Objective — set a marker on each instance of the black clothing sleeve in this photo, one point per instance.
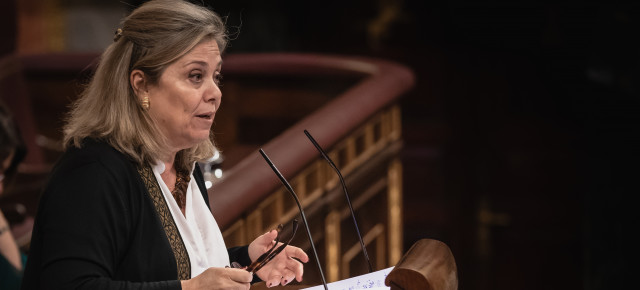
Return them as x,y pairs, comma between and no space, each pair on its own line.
96,228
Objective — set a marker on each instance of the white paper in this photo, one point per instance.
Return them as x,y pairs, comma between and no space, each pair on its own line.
373,281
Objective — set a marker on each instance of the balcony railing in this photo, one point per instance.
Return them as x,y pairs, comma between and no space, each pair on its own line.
361,127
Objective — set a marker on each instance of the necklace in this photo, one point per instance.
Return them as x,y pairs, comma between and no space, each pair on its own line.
179,191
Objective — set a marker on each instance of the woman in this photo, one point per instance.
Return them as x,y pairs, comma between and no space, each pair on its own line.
12,151
126,206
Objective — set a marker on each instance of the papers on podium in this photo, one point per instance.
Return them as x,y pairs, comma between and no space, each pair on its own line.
373,281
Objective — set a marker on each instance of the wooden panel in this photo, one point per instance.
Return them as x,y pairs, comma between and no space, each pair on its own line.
368,160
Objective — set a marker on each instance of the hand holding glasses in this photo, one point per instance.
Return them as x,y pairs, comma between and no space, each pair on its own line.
272,252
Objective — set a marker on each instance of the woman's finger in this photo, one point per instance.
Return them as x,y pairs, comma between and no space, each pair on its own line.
296,268
275,277
287,277
239,275
261,244
267,238
297,253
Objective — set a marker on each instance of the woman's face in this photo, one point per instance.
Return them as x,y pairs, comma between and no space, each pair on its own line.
184,101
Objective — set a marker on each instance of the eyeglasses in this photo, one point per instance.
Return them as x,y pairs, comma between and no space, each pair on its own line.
273,251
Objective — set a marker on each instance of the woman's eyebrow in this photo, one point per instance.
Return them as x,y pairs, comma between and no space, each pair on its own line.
203,63
200,62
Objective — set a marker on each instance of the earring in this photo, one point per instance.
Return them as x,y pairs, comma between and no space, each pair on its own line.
145,103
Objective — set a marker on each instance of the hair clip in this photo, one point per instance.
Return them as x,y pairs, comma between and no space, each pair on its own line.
118,34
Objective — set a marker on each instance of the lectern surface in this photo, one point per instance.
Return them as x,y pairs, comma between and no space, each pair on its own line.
374,280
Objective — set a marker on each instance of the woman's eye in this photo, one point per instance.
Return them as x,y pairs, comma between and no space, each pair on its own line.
217,78
196,77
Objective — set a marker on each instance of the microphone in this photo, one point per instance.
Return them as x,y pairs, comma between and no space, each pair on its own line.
344,188
304,218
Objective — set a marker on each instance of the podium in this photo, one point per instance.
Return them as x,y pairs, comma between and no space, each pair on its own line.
428,265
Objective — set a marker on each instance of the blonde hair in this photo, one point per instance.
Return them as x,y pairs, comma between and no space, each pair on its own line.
152,37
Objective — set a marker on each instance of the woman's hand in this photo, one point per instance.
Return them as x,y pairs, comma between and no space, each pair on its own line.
219,278
283,268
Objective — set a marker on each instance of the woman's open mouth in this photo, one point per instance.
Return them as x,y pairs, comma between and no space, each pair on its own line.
207,116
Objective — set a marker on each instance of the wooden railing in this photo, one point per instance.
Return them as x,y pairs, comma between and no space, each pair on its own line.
361,127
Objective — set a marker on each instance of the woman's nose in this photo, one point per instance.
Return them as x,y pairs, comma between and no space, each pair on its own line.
213,92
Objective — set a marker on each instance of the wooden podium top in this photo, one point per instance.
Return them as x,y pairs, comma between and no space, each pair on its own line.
428,265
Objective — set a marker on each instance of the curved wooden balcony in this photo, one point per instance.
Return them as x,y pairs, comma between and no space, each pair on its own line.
251,180
360,127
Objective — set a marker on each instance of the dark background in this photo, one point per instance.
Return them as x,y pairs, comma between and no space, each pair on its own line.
520,132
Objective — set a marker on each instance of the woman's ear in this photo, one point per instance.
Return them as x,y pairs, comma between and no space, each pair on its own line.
139,83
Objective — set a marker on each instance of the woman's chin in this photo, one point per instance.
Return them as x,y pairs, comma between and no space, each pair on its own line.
199,139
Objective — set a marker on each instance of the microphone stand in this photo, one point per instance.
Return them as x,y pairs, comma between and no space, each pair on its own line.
304,218
344,187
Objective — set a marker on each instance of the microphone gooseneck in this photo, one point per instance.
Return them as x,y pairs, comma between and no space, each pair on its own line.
304,218
344,187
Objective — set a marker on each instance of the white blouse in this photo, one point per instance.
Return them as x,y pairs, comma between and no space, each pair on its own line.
198,228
